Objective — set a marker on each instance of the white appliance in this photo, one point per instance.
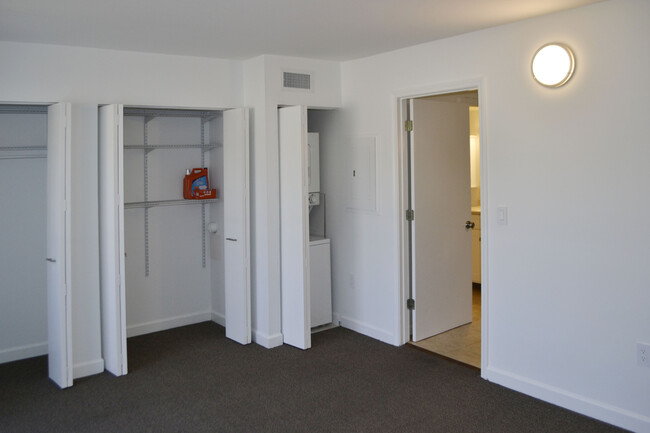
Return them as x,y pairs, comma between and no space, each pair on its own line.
313,169
320,282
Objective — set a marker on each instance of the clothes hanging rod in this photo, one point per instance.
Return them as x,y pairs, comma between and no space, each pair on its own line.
172,146
23,109
22,148
40,156
162,112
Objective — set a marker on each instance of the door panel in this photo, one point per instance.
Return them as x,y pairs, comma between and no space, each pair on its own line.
236,225
59,326
441,245
294,227
111,226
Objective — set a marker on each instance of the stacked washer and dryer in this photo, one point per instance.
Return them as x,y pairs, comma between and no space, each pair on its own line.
319,245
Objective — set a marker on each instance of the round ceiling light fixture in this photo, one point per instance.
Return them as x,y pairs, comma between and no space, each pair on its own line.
553,65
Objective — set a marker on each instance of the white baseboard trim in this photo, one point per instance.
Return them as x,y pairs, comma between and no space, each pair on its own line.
87,368
592,408
325,327
168,323
365,329
267,341
23,352
219,318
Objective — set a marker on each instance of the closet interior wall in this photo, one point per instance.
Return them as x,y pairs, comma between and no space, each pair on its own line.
185,282
23,290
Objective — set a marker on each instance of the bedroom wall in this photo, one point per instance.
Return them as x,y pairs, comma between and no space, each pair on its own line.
566,281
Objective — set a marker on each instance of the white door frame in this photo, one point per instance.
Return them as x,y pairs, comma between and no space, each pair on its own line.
400,100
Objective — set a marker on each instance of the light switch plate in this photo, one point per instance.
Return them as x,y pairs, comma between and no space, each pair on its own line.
502,215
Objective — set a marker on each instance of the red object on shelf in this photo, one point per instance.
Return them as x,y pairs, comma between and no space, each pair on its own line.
196,185
205,194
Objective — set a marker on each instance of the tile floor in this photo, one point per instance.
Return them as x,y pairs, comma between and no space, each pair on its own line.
462,344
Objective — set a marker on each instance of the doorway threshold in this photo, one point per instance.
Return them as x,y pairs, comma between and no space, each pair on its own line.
472,365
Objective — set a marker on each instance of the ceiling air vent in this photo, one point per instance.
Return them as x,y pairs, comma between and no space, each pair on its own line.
294,80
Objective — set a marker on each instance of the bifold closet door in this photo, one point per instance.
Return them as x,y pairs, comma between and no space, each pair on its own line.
236,225
111,238
294,226
59,303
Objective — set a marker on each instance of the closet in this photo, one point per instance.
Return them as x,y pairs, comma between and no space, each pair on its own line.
35,236
167,261
23,169
305,245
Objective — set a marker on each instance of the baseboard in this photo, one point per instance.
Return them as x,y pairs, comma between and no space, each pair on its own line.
365,329
88,368
219,319
22,352
264,340
168,323
267,341
592,408
325,327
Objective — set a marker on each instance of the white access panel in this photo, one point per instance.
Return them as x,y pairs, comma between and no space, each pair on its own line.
111,233
59,303
236,225
313,170
294,226
320,277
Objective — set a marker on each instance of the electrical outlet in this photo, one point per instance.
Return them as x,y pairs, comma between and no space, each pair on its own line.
643,354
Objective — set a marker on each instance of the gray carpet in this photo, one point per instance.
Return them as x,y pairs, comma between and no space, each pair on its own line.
193,379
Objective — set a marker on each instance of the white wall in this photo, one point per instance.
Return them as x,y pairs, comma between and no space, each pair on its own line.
263,92
178,289
567,278
51,73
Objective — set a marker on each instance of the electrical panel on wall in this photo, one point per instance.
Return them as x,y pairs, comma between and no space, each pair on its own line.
362,175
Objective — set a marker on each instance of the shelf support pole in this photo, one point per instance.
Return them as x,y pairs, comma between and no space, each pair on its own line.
203,122
147,119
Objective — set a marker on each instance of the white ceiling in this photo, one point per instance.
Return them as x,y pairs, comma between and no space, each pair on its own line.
240,29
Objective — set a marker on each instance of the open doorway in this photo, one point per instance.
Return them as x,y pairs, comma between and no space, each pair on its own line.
443,172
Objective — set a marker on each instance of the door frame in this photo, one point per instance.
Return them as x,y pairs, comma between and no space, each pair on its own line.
400,99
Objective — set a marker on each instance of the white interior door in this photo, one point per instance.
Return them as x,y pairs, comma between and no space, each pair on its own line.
59,327
294,226
236,225
111,235
441,244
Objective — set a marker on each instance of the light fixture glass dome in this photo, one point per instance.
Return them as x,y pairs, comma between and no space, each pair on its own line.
553,65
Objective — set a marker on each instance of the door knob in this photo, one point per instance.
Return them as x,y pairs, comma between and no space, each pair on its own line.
231,239
469,224
50,260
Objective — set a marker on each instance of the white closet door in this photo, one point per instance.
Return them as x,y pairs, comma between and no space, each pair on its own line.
59,323
294,226
111,237
236,225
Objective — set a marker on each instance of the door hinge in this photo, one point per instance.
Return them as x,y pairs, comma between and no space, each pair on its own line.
408,125
410,304
410,215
